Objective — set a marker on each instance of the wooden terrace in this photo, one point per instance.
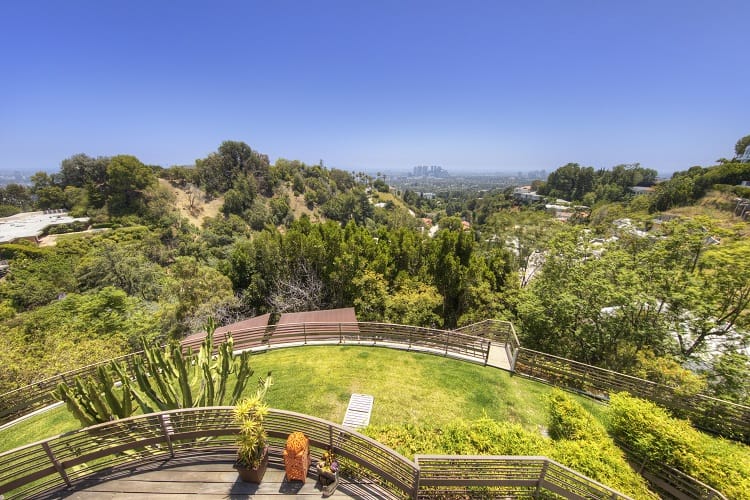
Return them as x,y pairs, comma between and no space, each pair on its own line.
206,477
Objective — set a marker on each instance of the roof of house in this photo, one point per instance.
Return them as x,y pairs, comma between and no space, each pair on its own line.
196,339
344,315
245,324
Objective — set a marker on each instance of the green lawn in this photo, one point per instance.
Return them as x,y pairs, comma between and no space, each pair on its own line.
407,387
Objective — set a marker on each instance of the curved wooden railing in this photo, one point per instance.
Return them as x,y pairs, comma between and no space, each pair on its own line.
455,476
61,462
413,338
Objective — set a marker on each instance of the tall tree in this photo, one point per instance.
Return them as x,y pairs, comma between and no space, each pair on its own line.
233,158
127,178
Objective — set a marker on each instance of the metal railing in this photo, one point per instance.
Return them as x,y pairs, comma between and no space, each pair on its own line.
496,331
57,464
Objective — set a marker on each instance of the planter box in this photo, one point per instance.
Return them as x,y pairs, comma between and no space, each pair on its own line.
255,475
326,477
329,481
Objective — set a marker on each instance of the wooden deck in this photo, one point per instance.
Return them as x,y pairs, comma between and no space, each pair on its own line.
206,477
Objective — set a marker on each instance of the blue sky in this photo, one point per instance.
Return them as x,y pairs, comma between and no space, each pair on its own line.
376,85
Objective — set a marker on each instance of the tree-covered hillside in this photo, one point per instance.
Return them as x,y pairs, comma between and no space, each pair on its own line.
621,287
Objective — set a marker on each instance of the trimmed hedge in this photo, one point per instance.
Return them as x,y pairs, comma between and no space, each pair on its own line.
654,435
597,457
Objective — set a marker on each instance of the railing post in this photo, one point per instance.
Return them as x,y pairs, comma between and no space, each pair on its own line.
304,332
514,359
541,478
341,336
417,477
58,466
487,354
168,430
446,344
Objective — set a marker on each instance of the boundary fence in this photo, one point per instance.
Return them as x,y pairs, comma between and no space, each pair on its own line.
59,463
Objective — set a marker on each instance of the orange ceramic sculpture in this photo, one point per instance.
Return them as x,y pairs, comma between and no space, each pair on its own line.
297,457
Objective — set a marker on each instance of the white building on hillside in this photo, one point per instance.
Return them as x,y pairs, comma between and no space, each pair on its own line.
31,225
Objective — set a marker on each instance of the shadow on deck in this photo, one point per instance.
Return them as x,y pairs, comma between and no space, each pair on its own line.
205,477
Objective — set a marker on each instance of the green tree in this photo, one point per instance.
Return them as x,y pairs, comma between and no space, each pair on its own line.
600,311
122,266
192,293
127,179
414,303
34,282
16,195
232,160
729,375
371,297
712,298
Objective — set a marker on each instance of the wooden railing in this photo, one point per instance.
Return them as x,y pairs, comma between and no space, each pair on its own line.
444,476
496,331
413,338
28,398
669,481
718,416
58,463
714,415
471,343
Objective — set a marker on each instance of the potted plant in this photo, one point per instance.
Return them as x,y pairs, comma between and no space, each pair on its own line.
328,472
252,443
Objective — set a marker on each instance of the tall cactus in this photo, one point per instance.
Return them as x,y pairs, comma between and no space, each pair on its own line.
94,401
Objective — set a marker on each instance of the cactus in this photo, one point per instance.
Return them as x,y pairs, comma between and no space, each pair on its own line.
161,379
93,401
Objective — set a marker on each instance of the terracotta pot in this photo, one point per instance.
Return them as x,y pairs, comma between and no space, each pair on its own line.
253,475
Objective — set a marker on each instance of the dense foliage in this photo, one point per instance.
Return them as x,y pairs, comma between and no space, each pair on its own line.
584,184
658,438
578,441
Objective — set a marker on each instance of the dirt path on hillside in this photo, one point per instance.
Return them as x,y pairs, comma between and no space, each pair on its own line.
200,211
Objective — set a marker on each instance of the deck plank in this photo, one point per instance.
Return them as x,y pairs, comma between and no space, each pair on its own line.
208,477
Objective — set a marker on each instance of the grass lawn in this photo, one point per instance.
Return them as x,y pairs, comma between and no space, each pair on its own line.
407,387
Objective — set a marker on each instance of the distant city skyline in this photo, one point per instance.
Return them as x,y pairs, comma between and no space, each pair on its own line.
476,86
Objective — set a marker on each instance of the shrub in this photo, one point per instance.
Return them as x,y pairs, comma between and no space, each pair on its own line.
597,456
582,443
22,249
484,436
655,436
569,420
